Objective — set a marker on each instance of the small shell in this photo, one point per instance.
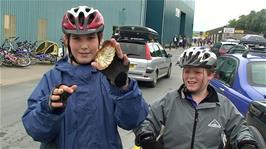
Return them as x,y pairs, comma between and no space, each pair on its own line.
105,56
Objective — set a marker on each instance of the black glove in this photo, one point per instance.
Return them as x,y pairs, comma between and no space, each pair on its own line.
116,72
63,98
148,141
248,146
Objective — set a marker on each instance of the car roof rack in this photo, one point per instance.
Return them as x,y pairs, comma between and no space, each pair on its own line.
258,50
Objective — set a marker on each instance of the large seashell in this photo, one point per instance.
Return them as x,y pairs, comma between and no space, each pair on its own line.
105,55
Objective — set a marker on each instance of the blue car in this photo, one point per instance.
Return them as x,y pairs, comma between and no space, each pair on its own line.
241,78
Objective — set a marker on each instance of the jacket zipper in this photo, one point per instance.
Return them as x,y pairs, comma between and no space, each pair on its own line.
194,128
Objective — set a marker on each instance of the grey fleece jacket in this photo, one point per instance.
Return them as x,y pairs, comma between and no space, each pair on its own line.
210,121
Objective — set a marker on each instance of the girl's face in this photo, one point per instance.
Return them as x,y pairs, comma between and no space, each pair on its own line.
196,80
84,47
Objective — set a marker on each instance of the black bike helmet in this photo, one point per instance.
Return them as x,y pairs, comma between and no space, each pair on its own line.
198,57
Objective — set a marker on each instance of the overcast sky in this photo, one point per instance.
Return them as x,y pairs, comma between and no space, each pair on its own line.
210,14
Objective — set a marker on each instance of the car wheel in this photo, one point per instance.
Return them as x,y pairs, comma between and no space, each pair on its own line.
169,71
258,137
154,82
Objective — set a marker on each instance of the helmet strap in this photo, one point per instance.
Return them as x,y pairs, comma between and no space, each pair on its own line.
72,58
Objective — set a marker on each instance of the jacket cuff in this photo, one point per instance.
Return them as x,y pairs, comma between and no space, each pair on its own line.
242,143
118,91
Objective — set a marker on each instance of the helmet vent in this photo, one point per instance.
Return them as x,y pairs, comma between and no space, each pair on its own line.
81,18
87,9
197,54
76,10
71,18
206,55
91,17
190,54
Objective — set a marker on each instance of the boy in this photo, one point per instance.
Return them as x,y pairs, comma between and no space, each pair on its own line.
195,116
75,105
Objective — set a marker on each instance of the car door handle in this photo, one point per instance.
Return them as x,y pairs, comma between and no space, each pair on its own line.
221,89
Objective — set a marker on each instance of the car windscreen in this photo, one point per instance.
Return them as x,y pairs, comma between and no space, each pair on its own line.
133,50
257,73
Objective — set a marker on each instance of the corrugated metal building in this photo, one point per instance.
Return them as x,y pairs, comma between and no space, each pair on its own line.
41,19
171,17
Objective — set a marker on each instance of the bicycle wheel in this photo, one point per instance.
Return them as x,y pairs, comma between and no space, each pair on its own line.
23,60
1,59
53,59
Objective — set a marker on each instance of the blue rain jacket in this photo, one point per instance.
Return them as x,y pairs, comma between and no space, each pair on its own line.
92,114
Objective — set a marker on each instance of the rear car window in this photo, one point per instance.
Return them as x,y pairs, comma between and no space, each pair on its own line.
134,50
217,45
227,46
257,73
237,49
156,50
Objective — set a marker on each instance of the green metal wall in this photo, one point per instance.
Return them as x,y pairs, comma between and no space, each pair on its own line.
154,15
157,14
28,12
161,15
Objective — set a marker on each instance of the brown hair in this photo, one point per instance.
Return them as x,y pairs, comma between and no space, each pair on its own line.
210,70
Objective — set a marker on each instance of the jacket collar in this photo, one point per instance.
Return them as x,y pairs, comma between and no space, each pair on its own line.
212,97
74,70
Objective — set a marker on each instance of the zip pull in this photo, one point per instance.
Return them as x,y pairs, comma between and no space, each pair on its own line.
161,133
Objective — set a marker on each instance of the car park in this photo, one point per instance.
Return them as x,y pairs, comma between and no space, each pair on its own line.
241,78
149,61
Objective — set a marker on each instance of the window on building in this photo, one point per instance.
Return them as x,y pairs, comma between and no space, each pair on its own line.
9,26
42,30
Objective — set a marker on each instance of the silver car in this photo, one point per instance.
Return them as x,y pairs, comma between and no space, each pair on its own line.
148,60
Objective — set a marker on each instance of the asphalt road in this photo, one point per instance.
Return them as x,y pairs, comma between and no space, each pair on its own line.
18,83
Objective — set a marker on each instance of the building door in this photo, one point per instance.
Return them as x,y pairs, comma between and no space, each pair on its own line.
182,23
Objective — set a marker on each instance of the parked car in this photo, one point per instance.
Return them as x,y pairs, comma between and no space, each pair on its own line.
241,48
220,48
241,78
231,40
253,39
149,61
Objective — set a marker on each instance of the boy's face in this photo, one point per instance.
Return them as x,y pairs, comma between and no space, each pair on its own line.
196,79
84,47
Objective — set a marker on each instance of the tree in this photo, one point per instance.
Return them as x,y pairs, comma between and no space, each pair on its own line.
254,21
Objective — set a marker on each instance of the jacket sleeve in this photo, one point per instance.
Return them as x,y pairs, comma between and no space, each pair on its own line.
130,107
39,121
154,121
236,127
